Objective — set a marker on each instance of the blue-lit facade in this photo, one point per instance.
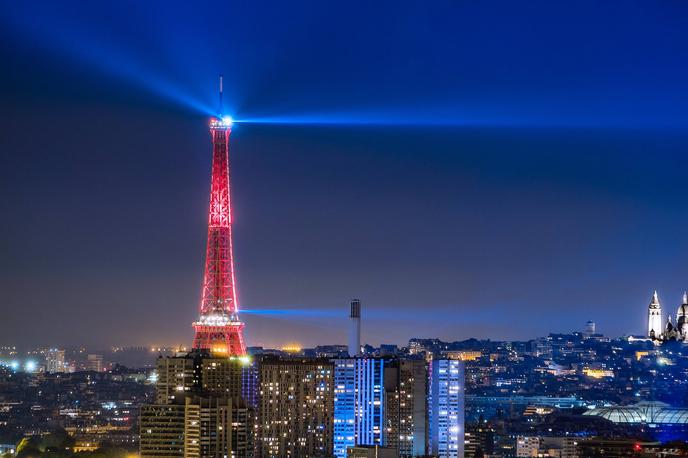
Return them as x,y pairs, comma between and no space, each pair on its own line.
359,403
446,408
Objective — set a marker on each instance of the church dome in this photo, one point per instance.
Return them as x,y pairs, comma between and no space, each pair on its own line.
683,308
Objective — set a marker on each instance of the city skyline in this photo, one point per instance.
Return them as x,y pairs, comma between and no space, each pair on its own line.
449,202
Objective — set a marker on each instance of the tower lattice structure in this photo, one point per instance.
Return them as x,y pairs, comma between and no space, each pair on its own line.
219,328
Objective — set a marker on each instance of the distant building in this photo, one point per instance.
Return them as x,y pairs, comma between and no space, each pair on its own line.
296,408
388,350
55,361
332,351
670,331
535,446
650,412
446,409
371,451
589,330
463,355
654,318
613,448
527,446
94,363
478,441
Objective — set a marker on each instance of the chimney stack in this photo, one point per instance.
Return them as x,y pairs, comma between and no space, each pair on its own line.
355,328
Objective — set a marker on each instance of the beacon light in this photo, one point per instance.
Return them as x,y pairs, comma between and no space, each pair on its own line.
227,120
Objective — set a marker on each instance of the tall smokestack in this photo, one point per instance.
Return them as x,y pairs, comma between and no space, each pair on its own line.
355,328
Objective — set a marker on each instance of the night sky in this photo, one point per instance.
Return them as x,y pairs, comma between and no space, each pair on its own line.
467,169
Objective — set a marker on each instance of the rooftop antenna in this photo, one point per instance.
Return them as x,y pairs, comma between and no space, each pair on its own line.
220,96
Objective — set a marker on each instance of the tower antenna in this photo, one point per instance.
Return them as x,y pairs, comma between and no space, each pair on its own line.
221,96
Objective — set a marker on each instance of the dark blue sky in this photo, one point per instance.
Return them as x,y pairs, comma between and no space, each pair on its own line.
468,169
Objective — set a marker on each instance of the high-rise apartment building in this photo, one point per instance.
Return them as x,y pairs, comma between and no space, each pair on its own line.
406,424
200,427
359,406
162,431
199,402
94,363
295,408
55,360
446,408
201,371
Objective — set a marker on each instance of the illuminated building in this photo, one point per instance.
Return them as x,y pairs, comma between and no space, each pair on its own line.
94,363
446,408
670,331
355,328
202,372
562,447
650,412
589,330
654,318
162,430
295,408
598,373
55,361
478,441
372,451
201,427
359,404
682,318
463,355
405,383
218,328
292,348
177,376
211,389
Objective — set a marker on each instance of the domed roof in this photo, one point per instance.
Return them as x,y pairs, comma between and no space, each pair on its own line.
642,412
618,414
674,416
683,308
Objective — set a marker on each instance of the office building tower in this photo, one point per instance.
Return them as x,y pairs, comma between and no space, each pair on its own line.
94,363
446,408
405,382
359,407
201,427
55,360
162,431
215,419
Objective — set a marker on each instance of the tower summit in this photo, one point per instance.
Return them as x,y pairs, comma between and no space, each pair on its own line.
218,328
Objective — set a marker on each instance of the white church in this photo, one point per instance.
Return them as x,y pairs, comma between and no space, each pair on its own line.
659,332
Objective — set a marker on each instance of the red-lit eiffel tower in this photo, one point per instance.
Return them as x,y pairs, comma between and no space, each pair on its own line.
218,328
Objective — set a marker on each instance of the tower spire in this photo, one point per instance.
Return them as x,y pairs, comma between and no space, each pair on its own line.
221,111
685,298
654,318
219,328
